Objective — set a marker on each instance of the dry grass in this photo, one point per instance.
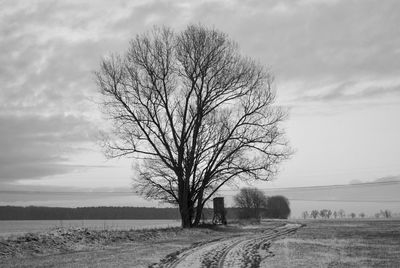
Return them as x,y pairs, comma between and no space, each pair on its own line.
334,243
325,243
135,248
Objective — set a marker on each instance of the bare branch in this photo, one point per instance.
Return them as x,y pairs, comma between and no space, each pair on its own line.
195,111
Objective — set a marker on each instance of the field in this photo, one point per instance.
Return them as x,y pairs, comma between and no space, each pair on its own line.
311,243
8,228
340,243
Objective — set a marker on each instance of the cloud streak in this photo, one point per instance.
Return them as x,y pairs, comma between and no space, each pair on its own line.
33,146
353,91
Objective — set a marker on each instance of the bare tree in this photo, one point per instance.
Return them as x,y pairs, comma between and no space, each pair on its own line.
314,214
341,213
335,214
329,213
305,214
194,112
323,213
386,213
251,201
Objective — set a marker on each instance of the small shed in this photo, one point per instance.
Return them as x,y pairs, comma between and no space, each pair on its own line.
219,211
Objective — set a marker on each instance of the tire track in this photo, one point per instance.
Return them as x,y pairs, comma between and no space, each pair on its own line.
254,249
246,250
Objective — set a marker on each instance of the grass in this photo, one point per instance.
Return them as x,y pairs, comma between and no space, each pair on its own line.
322,243
340,243
134,248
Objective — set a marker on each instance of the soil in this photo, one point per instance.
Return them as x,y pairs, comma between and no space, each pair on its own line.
274,243
246,249
218,246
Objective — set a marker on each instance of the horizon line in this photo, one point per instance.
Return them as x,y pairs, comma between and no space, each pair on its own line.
222,190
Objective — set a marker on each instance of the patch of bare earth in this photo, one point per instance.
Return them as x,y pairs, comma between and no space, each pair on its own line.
245,249
89,248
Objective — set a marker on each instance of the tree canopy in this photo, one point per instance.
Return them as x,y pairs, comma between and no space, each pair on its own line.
278,207
251,201
194,113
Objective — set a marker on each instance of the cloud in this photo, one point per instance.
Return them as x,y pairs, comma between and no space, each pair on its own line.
355,91
316,44
388,179
36,146
54,46
323,52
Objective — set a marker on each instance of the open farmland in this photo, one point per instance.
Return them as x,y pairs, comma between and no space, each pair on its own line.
340,243
318,243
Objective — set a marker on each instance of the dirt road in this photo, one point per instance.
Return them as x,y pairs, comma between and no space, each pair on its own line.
246,249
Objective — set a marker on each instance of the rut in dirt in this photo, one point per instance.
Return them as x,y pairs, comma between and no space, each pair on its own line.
245,250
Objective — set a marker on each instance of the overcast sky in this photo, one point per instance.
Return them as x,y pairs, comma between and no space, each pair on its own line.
336,65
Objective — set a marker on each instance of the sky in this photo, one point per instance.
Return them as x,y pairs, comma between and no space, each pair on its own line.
336,65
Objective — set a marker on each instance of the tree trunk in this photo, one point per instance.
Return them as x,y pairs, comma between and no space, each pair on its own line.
199,209
186,219
185,209
197,219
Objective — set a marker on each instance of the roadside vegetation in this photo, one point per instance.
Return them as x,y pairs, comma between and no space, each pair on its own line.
254,204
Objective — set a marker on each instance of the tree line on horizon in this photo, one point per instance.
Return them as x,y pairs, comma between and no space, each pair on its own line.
328,214
249,203
102,213
92,213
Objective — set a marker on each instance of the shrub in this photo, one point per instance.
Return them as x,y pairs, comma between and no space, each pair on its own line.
277,207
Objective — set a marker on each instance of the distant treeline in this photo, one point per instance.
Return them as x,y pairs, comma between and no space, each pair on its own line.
327,214
92,213
96,213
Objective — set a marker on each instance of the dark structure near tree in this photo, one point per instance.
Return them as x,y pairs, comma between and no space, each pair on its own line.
194,113
219,211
